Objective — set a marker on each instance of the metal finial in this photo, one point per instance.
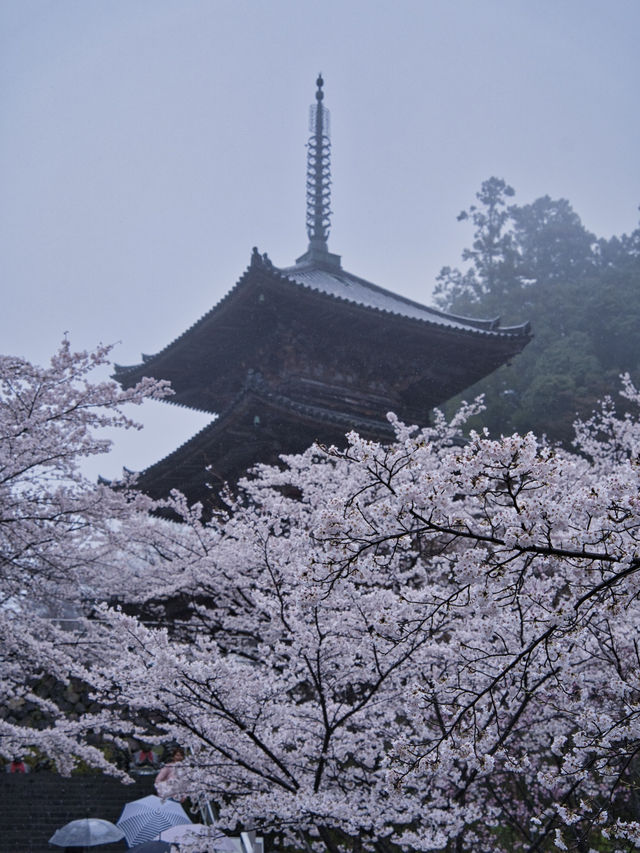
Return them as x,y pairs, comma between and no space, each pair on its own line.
318,173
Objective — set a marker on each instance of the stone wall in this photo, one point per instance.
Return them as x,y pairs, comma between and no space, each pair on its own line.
34,805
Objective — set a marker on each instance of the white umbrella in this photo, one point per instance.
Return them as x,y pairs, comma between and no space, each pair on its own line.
86,832
189,833
143,819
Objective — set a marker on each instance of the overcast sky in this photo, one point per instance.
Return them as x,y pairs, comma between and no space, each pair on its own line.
147,145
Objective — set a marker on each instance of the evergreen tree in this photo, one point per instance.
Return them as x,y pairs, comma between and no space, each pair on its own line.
581,294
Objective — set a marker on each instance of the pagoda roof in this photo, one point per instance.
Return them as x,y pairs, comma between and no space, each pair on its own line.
225,328
344,286
253,429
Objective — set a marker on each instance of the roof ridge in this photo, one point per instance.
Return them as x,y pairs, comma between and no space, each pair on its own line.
256,260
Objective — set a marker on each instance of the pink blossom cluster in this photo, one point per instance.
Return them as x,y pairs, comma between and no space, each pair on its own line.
59,534
433,644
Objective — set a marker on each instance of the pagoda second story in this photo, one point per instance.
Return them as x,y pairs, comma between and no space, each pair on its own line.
308,352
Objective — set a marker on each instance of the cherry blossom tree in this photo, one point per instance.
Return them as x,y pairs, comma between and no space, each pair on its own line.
432,644
534,687
59,533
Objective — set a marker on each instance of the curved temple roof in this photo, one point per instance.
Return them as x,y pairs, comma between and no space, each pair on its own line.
340,286
225,449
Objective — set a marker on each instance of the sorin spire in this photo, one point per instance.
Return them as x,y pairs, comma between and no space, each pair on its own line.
318,173
319,185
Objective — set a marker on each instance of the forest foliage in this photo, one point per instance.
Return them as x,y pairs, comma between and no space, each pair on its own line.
581,294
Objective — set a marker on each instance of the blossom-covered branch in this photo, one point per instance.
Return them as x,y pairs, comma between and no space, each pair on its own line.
59,534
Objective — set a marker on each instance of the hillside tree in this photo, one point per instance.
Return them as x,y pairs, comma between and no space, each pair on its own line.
537,262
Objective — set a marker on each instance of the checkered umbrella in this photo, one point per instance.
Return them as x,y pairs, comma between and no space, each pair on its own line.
144,819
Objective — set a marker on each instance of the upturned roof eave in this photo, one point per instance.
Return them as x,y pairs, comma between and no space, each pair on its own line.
257,393
484,328
121,370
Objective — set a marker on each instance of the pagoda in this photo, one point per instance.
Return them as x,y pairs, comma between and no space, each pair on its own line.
307,353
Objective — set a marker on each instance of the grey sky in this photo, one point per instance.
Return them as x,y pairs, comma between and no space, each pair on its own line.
147,145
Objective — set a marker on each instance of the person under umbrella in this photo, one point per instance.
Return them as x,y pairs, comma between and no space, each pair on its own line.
168,773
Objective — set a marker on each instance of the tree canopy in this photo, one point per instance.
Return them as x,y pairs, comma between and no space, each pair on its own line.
580,293
427,645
